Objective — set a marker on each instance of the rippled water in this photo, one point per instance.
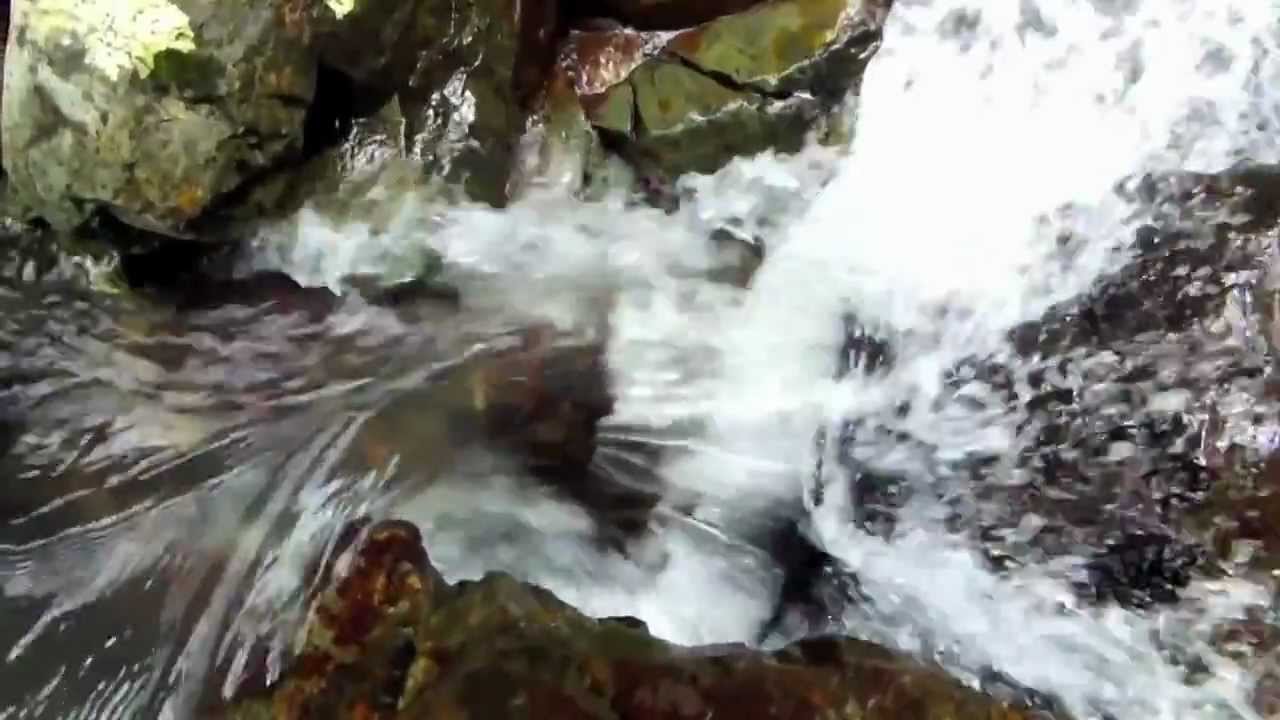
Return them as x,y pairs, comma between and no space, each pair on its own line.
171,479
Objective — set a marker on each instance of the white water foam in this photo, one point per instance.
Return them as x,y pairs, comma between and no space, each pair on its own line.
986,131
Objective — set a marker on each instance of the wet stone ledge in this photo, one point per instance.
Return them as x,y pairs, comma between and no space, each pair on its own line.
388,638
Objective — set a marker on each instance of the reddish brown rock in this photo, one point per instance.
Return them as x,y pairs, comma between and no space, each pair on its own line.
389,639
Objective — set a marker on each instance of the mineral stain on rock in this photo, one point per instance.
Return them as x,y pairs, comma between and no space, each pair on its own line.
148,108
388,638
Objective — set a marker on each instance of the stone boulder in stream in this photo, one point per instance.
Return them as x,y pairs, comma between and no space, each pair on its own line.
388,638
167,112
157,110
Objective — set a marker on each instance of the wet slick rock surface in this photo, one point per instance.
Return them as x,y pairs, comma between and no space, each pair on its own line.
150,108
388,638
760,79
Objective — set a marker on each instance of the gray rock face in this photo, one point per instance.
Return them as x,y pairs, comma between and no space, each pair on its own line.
150,108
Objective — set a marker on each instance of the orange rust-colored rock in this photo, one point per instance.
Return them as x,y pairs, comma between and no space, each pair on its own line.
388,639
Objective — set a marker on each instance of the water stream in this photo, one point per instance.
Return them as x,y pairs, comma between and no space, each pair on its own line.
171,478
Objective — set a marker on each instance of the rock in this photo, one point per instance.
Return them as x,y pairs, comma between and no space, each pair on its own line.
364,38
388,638
468,102
150,108
658,14
338,180
760,79
816,47
539,401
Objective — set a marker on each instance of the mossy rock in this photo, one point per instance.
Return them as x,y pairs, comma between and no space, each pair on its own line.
388,638
150,109
785,46
688,122
766,78
659,14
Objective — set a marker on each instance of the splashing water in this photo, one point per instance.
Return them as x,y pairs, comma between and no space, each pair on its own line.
986,133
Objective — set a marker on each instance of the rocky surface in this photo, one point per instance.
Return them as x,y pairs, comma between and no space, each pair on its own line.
764,78
657,14
149,108
176,109
388,638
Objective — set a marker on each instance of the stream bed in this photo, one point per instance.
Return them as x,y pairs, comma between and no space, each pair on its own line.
1008,363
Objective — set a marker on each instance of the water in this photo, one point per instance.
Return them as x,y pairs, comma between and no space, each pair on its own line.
994,175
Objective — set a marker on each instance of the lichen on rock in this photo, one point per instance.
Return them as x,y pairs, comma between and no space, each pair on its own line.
149,108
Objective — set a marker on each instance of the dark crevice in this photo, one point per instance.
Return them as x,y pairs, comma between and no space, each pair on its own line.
330,116
330,119
727,80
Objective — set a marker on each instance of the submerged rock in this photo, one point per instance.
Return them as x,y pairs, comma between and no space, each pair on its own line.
388,638
150,108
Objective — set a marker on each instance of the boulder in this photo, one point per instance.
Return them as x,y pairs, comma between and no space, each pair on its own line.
150,108
388,638
764,78
365,39
658,14
469,99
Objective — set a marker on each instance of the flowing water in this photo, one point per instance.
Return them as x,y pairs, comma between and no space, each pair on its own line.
169,480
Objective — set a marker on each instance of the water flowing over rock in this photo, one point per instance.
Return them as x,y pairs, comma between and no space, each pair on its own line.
388,638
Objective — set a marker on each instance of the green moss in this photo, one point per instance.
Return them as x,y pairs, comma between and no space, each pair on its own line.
189,74
614,110
761,47
691,123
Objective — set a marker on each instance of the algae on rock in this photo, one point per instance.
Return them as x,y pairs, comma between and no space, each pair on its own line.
149,108
764,78
388,638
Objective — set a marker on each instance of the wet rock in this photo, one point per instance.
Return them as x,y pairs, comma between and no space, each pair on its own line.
538,398
737,85
338,180
816,589
817,47
150,109
657,14
688,122
1134,396
469,98
364,38
273,290
387,638
561,151
1141,569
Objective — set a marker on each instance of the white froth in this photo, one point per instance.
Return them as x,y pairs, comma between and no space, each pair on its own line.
939,229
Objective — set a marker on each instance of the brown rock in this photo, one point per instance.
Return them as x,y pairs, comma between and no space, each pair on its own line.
388,639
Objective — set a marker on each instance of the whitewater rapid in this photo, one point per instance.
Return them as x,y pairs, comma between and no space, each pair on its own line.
985,133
